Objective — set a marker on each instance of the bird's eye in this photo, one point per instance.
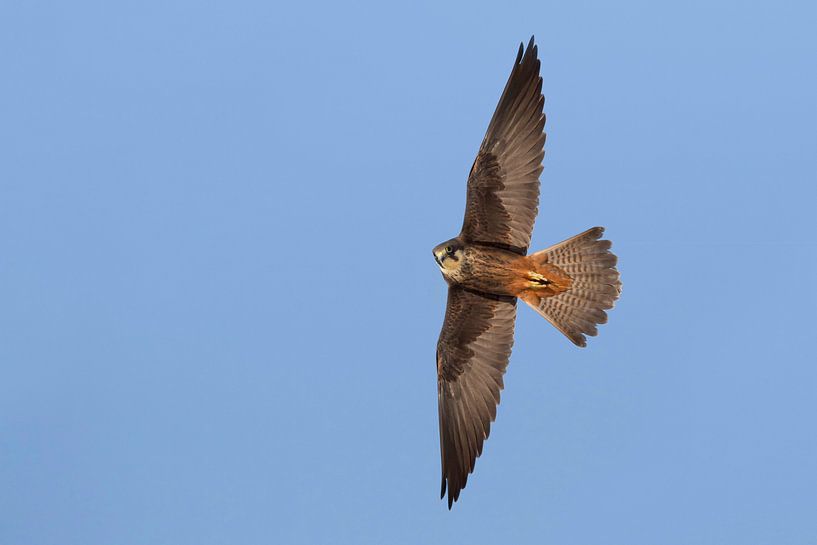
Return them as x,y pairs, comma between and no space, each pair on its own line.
449,250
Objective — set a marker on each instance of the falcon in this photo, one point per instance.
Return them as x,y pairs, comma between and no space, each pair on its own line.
488,267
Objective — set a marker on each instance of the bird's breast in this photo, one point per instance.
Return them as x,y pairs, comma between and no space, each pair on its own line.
490,270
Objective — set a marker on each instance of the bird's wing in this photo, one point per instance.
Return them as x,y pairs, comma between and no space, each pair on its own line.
503,186
472,354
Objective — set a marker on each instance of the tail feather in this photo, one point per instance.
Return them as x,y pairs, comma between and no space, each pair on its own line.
593,288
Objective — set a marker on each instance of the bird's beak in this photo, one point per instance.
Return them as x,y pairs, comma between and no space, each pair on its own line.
439,258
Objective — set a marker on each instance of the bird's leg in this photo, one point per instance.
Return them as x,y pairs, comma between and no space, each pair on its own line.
538,280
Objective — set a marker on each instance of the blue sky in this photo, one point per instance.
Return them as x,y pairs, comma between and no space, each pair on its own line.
219,308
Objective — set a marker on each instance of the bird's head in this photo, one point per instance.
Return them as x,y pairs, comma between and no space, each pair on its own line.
449,254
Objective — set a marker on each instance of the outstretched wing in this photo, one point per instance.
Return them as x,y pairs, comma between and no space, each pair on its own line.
503,186
472,355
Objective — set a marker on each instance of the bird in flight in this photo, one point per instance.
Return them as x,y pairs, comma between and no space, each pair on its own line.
487,267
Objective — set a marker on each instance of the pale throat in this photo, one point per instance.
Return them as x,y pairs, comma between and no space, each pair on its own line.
451,264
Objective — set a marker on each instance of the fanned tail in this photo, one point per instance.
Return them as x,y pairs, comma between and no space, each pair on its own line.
593,286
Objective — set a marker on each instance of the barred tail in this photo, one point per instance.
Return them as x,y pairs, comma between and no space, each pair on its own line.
593,288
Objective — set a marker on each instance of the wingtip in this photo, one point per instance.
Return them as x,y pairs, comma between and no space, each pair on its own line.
532,50
452,496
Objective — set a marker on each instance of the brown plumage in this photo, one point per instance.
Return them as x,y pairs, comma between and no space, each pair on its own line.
486,266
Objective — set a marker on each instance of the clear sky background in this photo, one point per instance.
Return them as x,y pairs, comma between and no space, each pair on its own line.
219,308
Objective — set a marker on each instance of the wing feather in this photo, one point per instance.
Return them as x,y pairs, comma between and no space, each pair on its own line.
472,355
503,186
